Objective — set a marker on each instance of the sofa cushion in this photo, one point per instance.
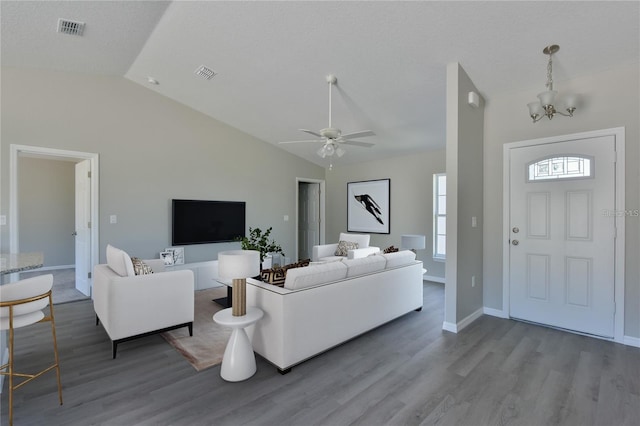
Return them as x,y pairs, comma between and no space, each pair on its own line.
327,259
399,258
344,247
119,261
315,274
365,265
140,267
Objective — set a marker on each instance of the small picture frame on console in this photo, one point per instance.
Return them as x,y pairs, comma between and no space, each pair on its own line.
167,256
178,254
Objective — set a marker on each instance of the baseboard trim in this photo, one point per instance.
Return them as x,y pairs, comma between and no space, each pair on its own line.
433,278
631,341
449,326
495,312
53,268
462,324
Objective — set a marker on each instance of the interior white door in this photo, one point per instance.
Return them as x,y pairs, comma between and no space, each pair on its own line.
83,227
308,218
562,257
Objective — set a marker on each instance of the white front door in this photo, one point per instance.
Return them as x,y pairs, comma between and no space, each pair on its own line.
308,218
562,234
83,227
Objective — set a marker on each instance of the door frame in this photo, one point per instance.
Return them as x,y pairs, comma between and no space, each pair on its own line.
51,153
619,134
322,209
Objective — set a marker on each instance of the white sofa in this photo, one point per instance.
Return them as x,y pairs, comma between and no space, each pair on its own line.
324,305
131,306
326,252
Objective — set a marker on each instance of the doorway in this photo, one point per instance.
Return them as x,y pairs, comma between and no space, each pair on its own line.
309,216
86,206
562,258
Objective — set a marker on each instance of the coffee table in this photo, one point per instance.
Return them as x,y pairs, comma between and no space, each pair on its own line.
225,301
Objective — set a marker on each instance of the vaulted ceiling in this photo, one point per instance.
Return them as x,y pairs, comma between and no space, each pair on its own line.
271,58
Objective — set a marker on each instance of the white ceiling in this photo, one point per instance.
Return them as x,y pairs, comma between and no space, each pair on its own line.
390,57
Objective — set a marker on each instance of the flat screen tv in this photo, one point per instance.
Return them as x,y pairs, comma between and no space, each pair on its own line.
203,222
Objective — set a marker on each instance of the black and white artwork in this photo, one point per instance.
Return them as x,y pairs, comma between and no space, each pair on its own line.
368,206
177,253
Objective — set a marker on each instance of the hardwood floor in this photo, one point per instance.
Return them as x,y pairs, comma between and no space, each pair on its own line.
407,372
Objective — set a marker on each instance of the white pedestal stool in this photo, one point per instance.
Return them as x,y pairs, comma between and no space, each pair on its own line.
239,361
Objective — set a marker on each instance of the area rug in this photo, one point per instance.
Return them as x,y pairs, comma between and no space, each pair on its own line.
206,347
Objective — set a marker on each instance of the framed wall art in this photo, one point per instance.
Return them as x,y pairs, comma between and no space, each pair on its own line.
368,206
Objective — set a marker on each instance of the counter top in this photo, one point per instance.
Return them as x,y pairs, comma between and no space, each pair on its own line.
11,263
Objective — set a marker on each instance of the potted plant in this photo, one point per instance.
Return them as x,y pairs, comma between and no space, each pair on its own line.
259,241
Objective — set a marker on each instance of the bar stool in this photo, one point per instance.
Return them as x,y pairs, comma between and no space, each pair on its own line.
21,304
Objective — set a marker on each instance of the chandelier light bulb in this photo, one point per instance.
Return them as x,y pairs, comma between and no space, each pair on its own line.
329,149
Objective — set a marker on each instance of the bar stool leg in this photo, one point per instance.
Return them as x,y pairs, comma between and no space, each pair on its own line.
55,348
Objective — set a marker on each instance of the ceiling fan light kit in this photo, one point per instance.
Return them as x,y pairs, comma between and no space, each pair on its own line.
332,137
545,107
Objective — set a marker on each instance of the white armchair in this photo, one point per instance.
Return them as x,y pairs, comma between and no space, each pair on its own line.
326,252
131,306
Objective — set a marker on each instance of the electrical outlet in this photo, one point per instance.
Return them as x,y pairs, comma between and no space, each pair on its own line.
286,218
3,220
113,219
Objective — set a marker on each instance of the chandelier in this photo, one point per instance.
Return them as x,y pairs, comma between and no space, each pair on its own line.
545,106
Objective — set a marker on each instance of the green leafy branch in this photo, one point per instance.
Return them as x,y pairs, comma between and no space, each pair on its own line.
258,240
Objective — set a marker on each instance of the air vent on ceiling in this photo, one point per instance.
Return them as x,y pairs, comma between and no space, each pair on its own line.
205,72
66,26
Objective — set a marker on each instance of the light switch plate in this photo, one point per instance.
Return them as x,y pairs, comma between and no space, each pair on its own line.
3,220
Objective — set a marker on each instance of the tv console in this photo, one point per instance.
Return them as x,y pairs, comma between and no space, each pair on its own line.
204,273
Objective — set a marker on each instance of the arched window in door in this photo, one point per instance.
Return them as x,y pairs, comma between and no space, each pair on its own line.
561,167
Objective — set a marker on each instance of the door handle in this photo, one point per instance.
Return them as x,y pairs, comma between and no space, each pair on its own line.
515,229
515,242
74,233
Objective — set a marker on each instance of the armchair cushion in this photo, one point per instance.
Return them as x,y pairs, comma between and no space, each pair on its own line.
328,252
361,239
120,262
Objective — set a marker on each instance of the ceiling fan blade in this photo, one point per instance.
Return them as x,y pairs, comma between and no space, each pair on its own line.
356,143
305,141
360,134
311,132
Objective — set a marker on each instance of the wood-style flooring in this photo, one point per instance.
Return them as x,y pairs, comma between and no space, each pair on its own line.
407,372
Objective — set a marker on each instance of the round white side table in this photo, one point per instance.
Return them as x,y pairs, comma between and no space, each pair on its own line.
239,361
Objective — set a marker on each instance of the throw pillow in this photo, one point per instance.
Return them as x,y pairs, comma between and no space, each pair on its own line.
344,247
275,276
140,268
390,249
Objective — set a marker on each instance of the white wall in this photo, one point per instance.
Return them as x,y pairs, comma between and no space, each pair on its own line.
151,149
411,199
611,99
46,209
464,200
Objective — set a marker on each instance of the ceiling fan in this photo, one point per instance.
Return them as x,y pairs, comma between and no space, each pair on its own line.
332,137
